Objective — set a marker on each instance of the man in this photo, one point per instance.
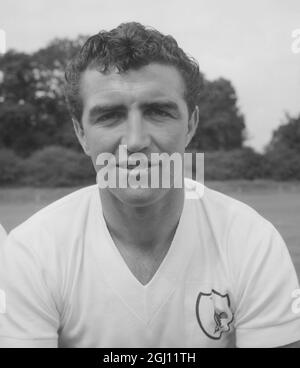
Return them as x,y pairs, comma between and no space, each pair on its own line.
143,267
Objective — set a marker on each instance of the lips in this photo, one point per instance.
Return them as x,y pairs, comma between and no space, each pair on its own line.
131,166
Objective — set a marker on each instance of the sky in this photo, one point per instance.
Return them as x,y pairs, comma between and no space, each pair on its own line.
247,42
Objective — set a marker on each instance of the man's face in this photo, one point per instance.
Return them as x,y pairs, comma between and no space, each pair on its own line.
143,109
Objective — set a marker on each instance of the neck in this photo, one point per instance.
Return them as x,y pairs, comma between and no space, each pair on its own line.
143,228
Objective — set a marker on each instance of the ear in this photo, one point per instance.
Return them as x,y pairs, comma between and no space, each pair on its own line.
192,125
81,136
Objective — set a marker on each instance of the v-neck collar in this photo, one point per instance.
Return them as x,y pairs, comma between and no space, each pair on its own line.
143,300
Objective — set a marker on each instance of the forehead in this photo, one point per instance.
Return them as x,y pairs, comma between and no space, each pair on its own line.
154,81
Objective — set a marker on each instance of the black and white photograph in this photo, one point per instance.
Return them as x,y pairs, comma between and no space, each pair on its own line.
149,177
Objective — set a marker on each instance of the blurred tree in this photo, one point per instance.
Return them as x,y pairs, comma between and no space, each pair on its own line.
17,127
33,112
282,158
287,136
18,81
58,52
242,163
11,167
221,125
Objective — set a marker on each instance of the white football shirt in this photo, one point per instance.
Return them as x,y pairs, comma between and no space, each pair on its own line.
227,279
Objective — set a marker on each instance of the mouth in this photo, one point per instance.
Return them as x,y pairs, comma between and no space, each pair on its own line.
131,166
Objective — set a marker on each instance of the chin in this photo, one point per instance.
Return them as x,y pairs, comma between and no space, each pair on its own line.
139,197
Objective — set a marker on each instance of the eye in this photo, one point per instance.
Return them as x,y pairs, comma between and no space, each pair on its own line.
113,115
158,112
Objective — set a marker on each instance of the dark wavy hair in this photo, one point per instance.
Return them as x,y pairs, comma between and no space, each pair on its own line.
130,46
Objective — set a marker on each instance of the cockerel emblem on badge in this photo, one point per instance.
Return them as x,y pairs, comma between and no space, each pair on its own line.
214,314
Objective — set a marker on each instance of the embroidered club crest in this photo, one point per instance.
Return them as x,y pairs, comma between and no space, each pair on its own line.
214,314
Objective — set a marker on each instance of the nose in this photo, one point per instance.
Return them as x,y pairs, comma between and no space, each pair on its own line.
136,137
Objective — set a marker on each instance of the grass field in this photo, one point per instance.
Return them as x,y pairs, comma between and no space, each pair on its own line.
278,202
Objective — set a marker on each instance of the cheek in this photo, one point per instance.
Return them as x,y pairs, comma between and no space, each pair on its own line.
100,141
173,140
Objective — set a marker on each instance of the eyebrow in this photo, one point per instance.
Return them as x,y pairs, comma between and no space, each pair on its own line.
102,109
169,105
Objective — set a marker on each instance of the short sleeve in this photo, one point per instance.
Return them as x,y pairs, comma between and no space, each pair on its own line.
28,315
264,280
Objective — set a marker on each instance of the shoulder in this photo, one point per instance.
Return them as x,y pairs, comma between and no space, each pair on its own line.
243,238
59,219
53,238
227,217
